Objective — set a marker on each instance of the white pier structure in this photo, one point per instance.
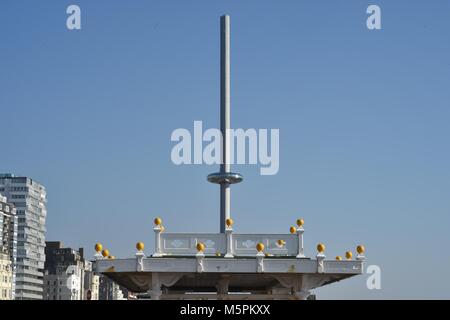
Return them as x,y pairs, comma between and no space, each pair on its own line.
227,265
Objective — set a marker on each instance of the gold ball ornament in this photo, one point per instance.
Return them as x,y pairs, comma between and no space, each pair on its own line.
105,253
260,247
292,229
140,246
348,255
200,246
338,258
98,247
229,222
157,221
360,249
321,247
300,222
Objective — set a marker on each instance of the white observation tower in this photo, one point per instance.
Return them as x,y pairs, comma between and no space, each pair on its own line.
227,265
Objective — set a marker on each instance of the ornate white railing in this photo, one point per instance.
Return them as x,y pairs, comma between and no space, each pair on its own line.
186,243
274,244
228,244
204,247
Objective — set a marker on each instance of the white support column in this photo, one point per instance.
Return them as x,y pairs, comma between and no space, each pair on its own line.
140,261
320,265
155,290
229,242
301,253
260,261
200,256
158,249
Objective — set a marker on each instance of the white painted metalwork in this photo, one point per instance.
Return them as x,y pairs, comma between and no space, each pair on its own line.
301,251
229,235
320,262
274,244
221,265
158,249
185,243
229,244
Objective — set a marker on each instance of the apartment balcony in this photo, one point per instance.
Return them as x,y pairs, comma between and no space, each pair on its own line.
36,289
28,296
32,280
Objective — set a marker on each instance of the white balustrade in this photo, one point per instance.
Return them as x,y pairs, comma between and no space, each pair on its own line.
186,243
219,243
274,244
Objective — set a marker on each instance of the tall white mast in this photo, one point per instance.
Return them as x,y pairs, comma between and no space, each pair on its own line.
225,177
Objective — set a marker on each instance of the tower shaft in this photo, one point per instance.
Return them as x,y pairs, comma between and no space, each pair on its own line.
225,91
225,177
225,200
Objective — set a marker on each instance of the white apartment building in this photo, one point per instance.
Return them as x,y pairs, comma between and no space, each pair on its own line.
29,199
8,248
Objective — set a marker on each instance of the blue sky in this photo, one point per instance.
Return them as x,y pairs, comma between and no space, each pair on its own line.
363,118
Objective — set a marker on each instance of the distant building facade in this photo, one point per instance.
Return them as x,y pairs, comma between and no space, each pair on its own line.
91,283
109,290
8,249
29,199
6,277
67,275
